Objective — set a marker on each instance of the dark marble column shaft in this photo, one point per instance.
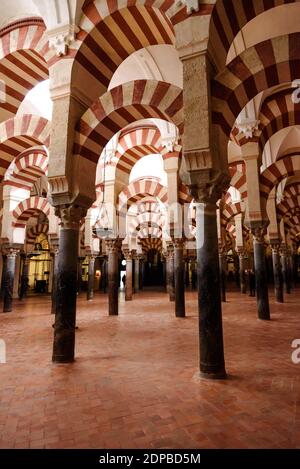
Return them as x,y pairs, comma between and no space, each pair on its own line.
66,284
212,363
179,277
128,285
170,273
24,277
278,281
136,279
112,249
284,268
222,274
54,280
243,283
262,294
9,276
91,278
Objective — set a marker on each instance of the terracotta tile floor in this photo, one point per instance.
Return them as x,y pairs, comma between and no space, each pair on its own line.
135,383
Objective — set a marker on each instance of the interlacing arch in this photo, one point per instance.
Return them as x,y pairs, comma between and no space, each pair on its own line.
33,232
292,190
112,31
19,134
133,146
277,112
139,99
138,189
27,168
149,244
288,206
24,53
28,208
274,174
228,19
230,210
268,64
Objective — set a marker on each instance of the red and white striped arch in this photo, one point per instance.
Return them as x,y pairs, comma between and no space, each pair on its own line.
146,218
29,208
111,31
229,17
231,210
288,206
268,64
274,174
238,178
24,52
28,168
292,190
149,244
19,134
138,189
33,232
277,112
127,103
133,146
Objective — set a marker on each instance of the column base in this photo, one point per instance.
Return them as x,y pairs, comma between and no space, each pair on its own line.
62,359
7,310
213,376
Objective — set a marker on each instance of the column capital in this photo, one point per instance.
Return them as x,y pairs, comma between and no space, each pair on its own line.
70,216
178,243
112,245
128,255
207,189
258,234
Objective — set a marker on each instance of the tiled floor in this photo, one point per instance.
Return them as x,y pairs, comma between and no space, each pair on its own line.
135,381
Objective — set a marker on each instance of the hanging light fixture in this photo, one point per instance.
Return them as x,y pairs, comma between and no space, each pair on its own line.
102,223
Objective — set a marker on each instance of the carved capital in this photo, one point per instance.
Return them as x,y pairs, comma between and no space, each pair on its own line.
207,189
112,246
191,5
12,252
127,254
259,234
248,127
178,243
62,38
70,216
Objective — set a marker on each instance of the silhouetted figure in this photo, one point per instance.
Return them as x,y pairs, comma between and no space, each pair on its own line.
252,282
124,280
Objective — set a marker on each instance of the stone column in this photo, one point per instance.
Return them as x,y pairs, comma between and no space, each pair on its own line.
128,285
212,363
289,269
54,281
79,278
104,275
136,273
278,283
9,276
187,272
283,257
66,283
17,277
91,278
179,278
170,272
222,273
194,273
141,272
112,249
243,283
24,277
262,293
